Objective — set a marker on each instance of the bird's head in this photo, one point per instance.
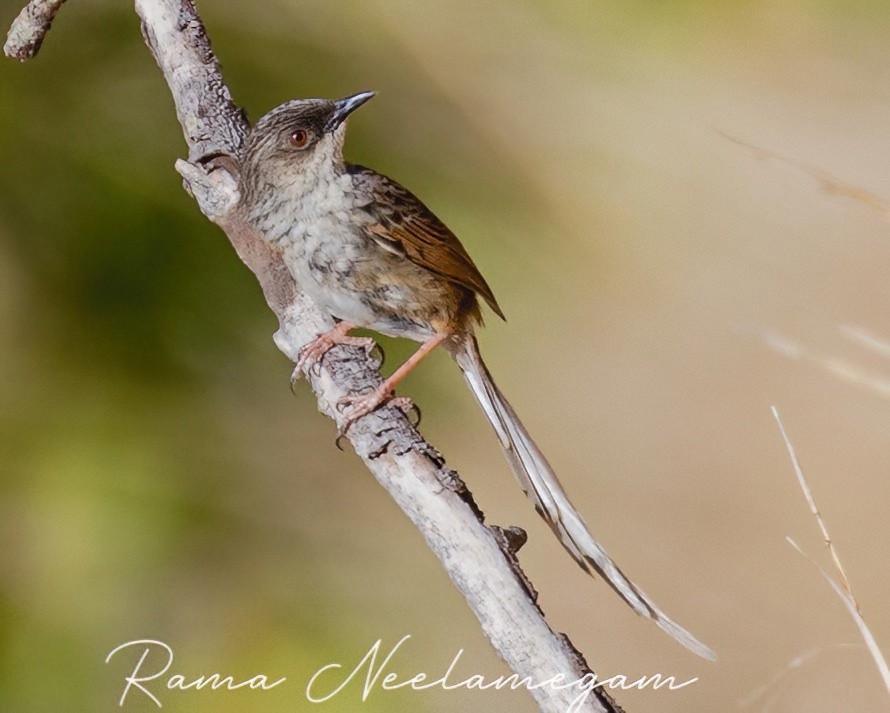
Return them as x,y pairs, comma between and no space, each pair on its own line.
298,144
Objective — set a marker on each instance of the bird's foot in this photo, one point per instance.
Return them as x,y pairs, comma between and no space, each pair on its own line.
354,408
310,356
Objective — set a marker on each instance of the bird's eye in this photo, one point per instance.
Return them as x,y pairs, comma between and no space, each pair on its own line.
299,138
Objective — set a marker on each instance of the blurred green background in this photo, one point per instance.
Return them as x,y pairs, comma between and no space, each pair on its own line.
160,481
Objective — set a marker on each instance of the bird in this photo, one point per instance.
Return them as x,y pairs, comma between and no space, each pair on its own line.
368,252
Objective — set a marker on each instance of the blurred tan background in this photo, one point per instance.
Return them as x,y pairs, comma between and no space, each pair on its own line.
160,481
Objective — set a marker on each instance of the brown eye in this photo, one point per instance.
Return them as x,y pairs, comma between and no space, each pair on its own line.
299,138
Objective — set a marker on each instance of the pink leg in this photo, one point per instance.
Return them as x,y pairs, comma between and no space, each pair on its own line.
312,352
362,405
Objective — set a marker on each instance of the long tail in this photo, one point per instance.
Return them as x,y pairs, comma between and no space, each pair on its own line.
540,483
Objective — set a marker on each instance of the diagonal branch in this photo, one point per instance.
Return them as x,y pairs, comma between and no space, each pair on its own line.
479,559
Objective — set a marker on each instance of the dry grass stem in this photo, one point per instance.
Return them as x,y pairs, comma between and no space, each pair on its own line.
830,184
841,368
808,494
842,589
866,339
793,665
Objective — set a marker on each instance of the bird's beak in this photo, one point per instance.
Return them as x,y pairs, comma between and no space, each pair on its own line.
344,107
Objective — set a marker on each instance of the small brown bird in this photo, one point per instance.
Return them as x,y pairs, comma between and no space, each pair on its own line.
368,252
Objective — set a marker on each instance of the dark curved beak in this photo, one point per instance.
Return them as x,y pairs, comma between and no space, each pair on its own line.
344,107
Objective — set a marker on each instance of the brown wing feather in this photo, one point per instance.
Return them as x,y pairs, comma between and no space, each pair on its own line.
405,225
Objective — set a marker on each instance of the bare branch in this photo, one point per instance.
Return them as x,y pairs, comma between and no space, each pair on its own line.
29,28
479,560
210,120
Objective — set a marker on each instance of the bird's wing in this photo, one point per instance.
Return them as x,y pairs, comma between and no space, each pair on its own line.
404,225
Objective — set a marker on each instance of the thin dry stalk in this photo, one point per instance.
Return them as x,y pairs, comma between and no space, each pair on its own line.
795,664
830,184
866,339
840,368
842,589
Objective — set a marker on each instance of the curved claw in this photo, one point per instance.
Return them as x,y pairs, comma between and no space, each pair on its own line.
344,429
312,354
294,378
297,374
356,407
407,407
377,354
415,415
342,406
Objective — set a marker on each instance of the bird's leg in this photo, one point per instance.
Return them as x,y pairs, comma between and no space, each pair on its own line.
312,353
358,406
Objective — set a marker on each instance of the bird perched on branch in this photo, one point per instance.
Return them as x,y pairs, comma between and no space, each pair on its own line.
369,253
